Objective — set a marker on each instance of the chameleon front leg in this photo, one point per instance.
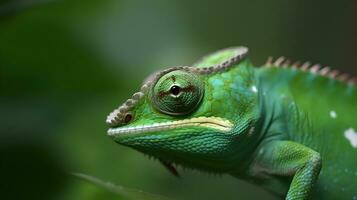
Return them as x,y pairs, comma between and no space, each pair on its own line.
287,158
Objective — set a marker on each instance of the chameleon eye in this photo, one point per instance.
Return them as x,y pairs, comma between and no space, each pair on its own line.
177,93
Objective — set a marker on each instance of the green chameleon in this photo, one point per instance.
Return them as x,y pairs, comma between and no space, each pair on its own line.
288,128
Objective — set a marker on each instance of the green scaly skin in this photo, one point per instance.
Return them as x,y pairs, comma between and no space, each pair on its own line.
289,129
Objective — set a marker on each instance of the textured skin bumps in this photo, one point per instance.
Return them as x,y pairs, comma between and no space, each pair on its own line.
288,128
318,110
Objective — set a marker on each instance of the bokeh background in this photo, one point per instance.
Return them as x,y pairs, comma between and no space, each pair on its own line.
65,64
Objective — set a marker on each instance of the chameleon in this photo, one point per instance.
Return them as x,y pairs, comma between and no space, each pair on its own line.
289,128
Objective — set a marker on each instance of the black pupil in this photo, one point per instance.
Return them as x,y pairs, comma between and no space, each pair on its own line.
175,90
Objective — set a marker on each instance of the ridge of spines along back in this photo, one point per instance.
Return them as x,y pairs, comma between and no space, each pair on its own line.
326,71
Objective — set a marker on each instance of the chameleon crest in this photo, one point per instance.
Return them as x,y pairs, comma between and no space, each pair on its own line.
263,125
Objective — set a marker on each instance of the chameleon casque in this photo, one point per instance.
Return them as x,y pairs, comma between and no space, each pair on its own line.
288,128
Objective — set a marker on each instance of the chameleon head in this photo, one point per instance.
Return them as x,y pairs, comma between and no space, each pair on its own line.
192,116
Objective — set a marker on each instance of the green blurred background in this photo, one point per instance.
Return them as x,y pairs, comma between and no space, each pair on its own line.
65,64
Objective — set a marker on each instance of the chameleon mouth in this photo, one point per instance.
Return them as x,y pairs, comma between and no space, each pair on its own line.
216,123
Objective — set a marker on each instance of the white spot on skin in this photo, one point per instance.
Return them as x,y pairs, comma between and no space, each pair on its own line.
333,114
351,136
254,89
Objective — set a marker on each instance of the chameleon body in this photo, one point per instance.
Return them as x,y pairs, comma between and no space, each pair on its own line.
288,128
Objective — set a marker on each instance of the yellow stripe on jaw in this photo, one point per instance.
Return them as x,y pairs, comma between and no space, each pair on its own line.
217,123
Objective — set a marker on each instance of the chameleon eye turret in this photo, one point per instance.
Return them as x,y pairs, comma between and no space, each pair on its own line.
177,93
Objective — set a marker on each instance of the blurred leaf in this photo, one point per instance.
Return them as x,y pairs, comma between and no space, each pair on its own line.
119,191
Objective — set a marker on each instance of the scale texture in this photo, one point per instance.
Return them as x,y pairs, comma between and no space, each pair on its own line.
290,128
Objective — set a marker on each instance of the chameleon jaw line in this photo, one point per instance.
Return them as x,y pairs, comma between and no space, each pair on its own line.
216,123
